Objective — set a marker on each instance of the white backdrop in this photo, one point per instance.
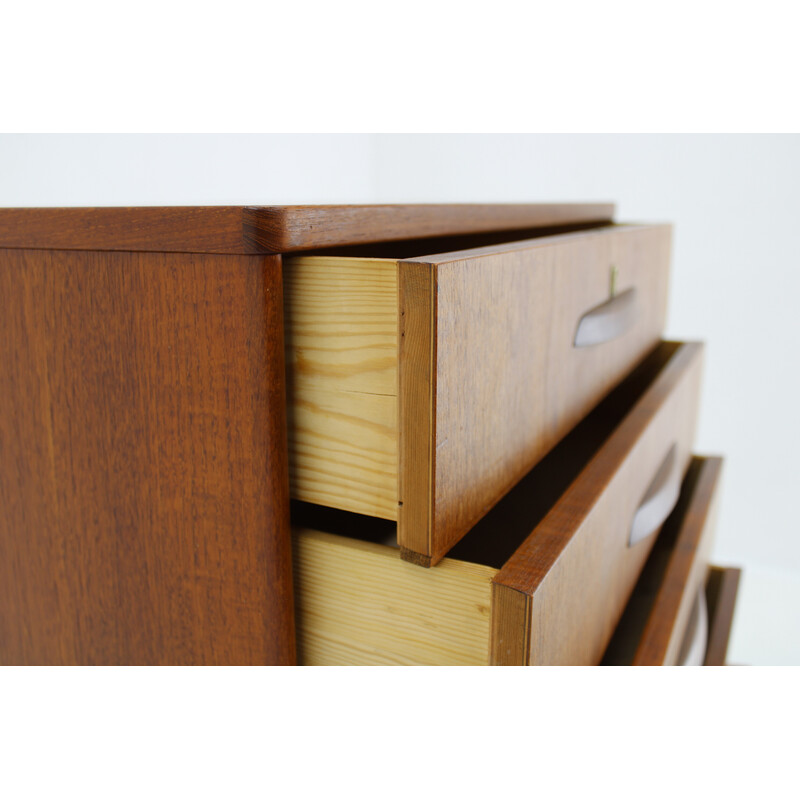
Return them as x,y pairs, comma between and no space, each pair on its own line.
734,201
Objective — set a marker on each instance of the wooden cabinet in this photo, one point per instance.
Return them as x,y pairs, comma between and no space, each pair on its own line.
475,389
144,509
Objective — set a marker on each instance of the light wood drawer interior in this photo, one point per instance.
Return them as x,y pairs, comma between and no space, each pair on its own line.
543,578
421,389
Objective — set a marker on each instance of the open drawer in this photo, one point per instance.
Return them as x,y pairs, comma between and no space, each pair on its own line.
544,577
422,388
667,618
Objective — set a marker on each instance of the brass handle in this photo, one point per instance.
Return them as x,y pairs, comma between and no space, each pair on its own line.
607,321
659,499
695,641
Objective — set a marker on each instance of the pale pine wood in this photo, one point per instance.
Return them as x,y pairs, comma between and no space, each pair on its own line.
341,353
489,380
576,565
360,603
144,503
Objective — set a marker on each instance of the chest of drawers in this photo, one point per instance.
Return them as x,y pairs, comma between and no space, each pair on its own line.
150,356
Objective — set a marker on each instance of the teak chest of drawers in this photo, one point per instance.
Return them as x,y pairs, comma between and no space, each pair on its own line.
479,390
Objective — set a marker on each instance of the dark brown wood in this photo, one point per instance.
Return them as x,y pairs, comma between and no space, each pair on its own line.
177,229
723,584
273,229
143,474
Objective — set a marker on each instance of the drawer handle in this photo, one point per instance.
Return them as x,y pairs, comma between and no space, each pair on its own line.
693,648
607,321
659,499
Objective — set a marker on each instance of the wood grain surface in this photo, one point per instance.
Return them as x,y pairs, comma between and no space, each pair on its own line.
358,603
654,624
272,229
723,584
489,378
143,477
576,566
483,364
341,355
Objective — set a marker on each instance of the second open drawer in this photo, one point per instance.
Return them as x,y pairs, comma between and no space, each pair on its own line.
544,577
681,610
421,389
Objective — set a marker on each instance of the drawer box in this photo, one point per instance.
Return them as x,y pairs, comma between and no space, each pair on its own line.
421,389
543,578
645,639
666,619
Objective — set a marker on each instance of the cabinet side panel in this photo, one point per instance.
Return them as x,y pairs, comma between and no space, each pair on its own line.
143,476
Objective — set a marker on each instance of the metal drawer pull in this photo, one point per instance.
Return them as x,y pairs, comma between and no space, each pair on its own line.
608,320
695,641
659,499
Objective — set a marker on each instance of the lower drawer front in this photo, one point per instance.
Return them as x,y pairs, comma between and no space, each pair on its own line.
721,590
704,639
666,619
528,585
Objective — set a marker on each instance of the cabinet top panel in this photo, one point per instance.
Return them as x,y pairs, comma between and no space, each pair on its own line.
274,229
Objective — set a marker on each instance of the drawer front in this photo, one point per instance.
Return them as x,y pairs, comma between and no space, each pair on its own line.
721,590
677,612
560,596
501,352
422,390
666,621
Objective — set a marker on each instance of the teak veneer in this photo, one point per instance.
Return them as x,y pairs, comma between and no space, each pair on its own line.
144,505
422,389
655,628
